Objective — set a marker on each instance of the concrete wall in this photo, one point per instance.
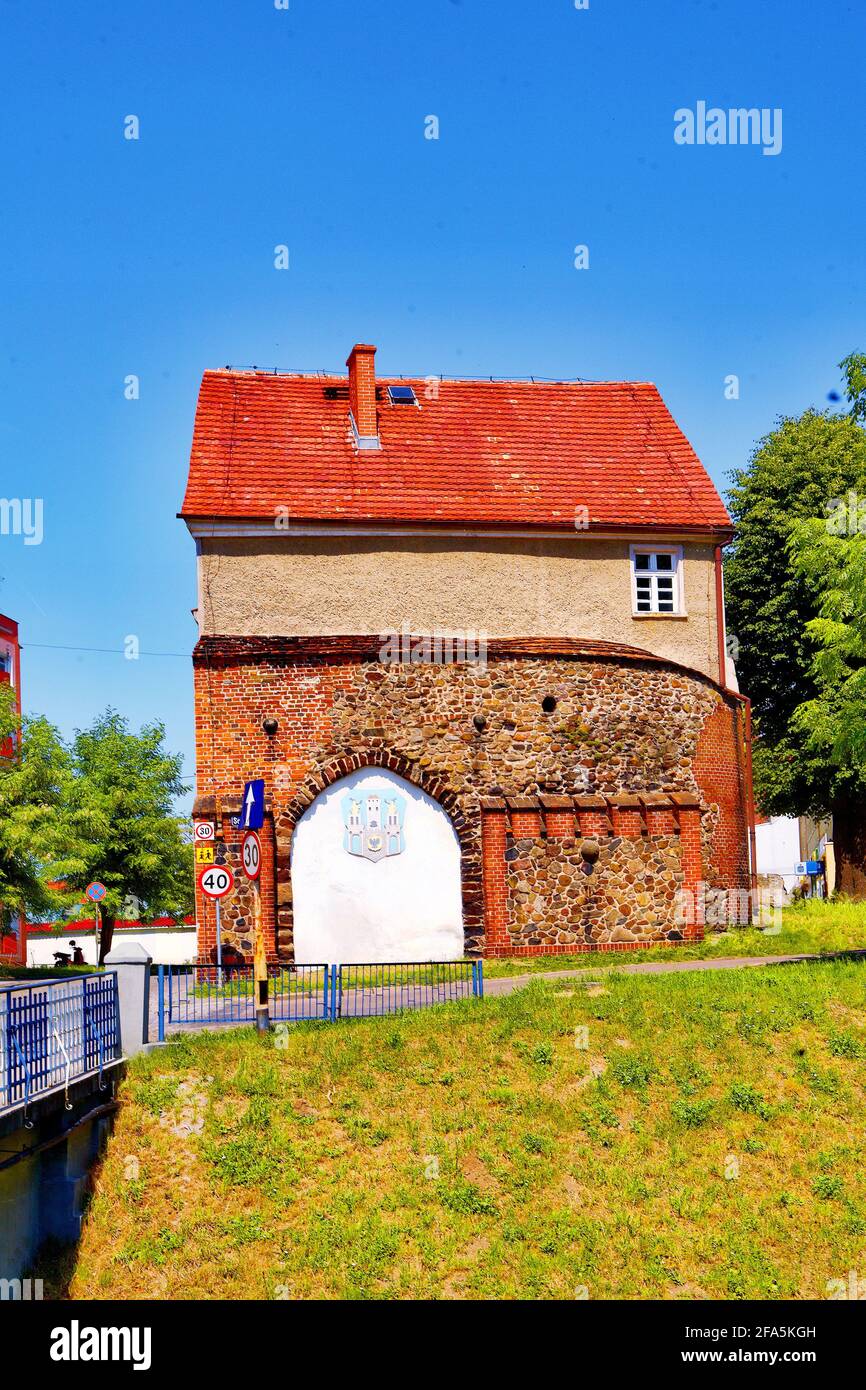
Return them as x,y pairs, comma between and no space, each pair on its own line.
42,1196
574,587
19,1210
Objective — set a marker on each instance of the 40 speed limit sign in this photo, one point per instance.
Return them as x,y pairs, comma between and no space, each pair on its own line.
215,881
251,854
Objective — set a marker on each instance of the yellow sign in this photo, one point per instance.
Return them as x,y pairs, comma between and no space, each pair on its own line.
204,854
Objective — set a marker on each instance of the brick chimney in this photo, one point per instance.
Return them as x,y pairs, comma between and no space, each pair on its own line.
362,395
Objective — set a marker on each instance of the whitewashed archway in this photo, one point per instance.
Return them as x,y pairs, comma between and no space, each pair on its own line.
376,874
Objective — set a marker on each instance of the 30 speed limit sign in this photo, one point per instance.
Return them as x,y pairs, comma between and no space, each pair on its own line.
251,854
205,830
216,881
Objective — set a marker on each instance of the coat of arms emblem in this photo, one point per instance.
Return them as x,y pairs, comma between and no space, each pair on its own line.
374,823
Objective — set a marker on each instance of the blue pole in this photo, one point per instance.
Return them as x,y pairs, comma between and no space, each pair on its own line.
161,1003
85,1031
481,979
115,1004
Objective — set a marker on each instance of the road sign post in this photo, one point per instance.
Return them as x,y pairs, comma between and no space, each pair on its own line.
219,942
215,881
263,1012
251,858
253,805
95,892
251,855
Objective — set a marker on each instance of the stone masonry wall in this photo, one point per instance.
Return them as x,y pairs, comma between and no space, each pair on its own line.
628,897
621,722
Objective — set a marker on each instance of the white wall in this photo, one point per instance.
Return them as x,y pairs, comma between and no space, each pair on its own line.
164,947
777,849
407,907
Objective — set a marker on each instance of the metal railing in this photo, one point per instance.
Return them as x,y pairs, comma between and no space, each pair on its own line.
190,996
54,1033
195,995
363,991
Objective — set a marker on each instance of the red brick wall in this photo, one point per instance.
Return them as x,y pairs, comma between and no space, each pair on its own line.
545,895
719,770
691,851
493,847
238,907
339,708
362,388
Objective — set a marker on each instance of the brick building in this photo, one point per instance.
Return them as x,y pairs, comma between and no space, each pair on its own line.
471,633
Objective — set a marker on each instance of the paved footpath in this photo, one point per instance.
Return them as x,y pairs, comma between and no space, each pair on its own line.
504,984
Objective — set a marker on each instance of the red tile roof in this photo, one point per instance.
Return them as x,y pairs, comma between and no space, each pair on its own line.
485,453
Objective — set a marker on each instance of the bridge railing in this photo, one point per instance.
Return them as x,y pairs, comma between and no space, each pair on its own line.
54,1032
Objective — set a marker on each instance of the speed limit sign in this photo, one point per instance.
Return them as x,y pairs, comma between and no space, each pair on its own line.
204,830
215,881
251,854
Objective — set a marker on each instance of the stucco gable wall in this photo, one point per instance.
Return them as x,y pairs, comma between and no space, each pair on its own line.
310,586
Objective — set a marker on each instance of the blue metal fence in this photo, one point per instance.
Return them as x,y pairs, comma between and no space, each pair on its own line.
190,996
362,991
55,1032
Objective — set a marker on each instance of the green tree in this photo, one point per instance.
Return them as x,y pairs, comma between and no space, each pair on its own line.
34,775
854,369
796,473
119,820
832,722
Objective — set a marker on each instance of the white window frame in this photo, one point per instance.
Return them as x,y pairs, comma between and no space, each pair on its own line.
676,551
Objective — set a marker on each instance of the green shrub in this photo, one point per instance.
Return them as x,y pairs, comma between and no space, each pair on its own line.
692,1113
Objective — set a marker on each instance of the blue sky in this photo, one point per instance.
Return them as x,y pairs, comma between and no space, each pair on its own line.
305,127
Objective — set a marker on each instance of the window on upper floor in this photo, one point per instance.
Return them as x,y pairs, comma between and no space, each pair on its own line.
657,580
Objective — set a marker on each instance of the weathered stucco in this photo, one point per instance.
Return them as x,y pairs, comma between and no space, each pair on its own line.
574,587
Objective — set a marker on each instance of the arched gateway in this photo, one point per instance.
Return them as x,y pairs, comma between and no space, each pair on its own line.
375,872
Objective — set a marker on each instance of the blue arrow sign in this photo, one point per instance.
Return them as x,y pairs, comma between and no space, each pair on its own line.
253,805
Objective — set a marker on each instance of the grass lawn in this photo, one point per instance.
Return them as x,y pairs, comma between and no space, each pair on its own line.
810,926
674,1136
